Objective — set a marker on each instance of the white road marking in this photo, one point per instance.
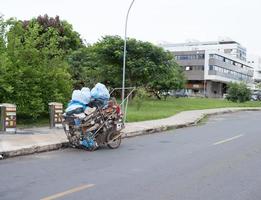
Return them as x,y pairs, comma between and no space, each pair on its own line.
70,191
228,140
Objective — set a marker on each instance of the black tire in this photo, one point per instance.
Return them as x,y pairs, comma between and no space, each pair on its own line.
115,143
89,149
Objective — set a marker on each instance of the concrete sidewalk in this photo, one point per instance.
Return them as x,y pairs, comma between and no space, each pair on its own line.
28,141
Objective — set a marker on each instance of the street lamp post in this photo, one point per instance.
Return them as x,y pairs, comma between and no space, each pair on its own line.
124,57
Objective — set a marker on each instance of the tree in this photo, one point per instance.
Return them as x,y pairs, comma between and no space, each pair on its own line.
2,34
34,65
238,92
66,39
5,64
83,67
147,65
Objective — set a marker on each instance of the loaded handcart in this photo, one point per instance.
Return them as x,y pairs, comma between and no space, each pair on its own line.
93,119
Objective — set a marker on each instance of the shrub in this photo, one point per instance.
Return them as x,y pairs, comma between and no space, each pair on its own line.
140,96
238,92
33,70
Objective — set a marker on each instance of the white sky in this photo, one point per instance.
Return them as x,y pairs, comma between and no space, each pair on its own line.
152,20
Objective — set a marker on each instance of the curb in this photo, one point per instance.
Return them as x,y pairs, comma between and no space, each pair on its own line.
32,150
60,145
184,125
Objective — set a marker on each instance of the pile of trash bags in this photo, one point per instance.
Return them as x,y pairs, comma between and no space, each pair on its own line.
85,98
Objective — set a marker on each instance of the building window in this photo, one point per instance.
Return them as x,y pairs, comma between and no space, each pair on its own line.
194,68
200,56
215,56
188,68
228,50
229,73
227,60
190,57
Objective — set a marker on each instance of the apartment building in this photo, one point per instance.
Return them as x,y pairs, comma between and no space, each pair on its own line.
210,66
255,61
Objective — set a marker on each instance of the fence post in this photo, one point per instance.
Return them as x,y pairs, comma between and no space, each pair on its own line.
55,111
8,118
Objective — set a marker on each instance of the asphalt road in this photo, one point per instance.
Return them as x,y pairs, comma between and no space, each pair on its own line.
219,160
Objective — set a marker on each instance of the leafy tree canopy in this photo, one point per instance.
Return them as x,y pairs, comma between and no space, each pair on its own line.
147,65
41,59
33,63
238,92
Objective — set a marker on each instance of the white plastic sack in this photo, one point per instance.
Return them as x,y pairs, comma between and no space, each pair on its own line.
77,96
86,95
82,96
100,92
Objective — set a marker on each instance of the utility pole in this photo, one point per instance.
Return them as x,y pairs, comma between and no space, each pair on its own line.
124,57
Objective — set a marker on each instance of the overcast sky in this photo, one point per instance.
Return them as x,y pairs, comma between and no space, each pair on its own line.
152,20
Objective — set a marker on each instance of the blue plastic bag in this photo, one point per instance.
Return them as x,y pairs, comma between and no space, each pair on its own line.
80,99
86,95
100,92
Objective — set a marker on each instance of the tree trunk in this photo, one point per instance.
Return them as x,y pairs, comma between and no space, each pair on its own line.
157,95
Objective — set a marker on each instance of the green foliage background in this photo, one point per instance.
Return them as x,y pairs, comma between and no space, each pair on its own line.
33,67
147,65
43,59
238,92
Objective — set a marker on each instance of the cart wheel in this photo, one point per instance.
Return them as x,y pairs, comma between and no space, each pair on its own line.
89,149
113,144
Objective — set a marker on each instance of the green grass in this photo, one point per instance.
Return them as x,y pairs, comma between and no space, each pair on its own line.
155,109
27,123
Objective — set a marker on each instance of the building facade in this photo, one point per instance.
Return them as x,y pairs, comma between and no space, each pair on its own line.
255,61
230,47
209,70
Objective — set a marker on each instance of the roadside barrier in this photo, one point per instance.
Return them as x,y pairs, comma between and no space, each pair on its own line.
8,118
55,111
